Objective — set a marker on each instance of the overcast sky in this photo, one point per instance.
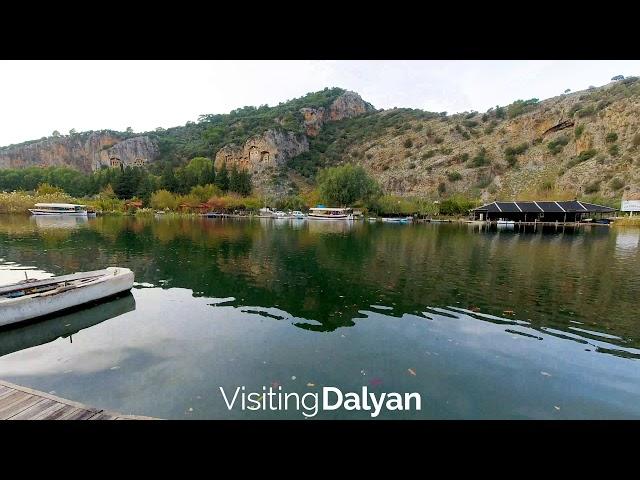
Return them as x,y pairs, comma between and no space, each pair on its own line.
38,97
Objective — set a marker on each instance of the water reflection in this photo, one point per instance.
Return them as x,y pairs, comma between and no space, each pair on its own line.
328,272
22,336
493,324
627,243
59,222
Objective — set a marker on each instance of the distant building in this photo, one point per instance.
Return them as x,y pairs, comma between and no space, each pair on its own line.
539,211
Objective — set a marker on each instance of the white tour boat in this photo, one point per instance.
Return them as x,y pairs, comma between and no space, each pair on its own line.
67,209
327,213
30,299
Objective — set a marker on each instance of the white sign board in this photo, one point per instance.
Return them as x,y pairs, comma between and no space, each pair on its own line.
630,206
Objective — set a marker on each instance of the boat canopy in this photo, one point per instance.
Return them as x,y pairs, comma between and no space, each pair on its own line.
58,205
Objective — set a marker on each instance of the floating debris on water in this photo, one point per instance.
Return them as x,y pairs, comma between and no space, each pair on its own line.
508,312
293,377
556,407
412,371
311,384
546,374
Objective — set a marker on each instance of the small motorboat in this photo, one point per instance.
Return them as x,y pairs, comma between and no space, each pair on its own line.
298,214
397,219
502,223
30,299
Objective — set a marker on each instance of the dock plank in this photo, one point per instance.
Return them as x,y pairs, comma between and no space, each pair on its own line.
24,403
13,398
33,410
18,407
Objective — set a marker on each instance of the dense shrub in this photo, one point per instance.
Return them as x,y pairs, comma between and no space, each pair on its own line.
583,157
556,146
408,143
586,112
454,176
455,206
611,137
614,150
481,158
578,131
521,106
428,154
511,153
616,184
592,187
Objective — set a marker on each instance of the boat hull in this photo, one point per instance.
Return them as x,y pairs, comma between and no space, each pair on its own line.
28,307
58,214
329,217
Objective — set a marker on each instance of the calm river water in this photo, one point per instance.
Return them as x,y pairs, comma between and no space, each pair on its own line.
484,324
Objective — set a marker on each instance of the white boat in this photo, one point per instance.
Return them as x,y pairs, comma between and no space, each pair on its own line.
297,214
326,213
31,299
67,209
502,223
397,219
279,214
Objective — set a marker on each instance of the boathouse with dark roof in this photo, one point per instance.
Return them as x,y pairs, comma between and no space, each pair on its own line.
540,211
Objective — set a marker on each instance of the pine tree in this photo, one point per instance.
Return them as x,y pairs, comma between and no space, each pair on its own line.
222,178
168,179
234,180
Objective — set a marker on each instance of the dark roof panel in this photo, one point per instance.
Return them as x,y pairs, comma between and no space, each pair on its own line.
572,206
529,207
550,207
592,207
508,207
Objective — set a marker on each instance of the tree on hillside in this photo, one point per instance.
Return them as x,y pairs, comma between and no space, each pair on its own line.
233,179
346,185
168,179
55,134
222,178
617,77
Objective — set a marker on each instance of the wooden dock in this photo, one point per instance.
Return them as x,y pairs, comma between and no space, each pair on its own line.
22,403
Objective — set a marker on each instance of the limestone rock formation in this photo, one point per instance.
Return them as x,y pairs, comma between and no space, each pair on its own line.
135,151
262,154
83,152
347,105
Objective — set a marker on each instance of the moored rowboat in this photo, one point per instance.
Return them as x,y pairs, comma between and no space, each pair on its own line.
31,299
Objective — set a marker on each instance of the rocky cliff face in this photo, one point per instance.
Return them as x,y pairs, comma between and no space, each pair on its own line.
262,154
83,152
596,134
347,105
